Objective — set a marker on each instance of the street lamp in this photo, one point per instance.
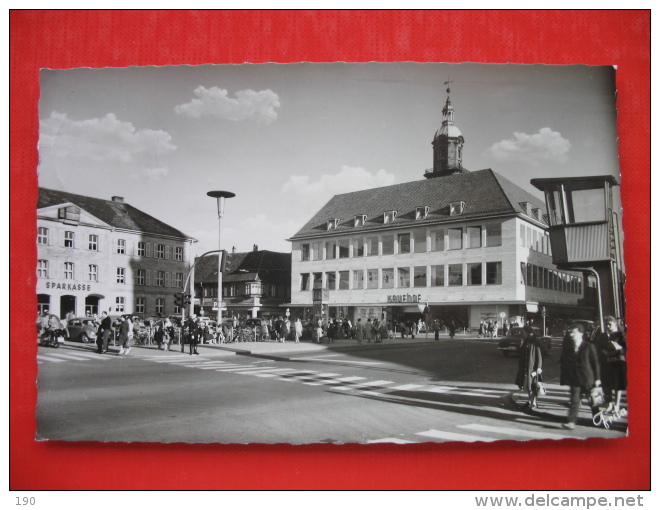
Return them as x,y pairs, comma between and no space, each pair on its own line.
220,198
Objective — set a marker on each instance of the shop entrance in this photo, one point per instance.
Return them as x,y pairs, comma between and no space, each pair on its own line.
91,305
43,303
67,304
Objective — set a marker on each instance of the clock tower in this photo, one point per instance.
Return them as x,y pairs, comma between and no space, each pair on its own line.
447,145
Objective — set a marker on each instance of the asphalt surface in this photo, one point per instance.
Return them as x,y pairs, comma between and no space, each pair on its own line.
400,391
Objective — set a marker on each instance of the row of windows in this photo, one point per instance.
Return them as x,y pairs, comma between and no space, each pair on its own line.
417,241
550,279
440,275
535,240
141,306
160,251
141,277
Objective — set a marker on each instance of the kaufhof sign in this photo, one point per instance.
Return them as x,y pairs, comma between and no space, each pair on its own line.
404,298
69,286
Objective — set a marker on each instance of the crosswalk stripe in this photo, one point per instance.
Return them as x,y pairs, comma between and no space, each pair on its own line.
438,389
406,387
512,432
474,394
321,383
395,440
69,356
271,373
89,355
233,368
46,358
255,370
454,436
367,384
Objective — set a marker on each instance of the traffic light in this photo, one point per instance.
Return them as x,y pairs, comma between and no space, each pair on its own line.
186,299
178,300
223,262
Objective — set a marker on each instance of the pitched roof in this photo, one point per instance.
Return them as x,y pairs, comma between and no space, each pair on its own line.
268,265
485,193
116,214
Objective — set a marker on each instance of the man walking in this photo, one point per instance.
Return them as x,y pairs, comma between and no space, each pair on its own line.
580,370
103,334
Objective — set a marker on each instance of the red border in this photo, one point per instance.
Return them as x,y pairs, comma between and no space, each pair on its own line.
65,39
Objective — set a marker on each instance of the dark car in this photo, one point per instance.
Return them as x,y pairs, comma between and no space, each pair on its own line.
81,329
512,342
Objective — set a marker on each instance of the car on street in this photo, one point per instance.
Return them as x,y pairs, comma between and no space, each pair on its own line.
512,342
82,329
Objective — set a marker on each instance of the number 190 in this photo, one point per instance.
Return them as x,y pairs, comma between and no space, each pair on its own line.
25,501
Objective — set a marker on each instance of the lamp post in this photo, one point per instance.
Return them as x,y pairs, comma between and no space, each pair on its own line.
220,198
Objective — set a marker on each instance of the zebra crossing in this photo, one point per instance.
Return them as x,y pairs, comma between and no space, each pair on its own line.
61,356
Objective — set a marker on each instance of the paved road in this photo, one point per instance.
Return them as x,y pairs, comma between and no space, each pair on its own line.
456,390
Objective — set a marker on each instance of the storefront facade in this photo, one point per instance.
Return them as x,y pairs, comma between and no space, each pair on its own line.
99,255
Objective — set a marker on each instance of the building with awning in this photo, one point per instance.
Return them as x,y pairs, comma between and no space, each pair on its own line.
471,246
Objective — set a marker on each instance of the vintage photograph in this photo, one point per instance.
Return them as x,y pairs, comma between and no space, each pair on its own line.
330,253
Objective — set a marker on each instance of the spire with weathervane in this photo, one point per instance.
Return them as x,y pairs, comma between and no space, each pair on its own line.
447,144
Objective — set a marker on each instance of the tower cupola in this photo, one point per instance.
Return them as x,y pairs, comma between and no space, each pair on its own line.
447,144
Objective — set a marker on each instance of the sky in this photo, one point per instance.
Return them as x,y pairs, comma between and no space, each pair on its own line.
285,138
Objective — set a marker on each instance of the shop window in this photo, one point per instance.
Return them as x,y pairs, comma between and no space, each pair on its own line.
419,276
388,245
304,281
372,278
455,239
304,252
388,278
474,274
474,237
438,276
403,240
343,280
493,273
42,235
358,279
455,275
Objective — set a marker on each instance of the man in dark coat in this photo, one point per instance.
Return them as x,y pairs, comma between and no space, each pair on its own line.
580,369
103,334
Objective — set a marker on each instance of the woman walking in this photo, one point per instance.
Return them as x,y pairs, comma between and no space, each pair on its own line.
529,366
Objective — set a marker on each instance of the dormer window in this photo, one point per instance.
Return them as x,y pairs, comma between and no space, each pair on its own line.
332,223
422,212
69,214
389,217
456,208
359,220
538,213
527,207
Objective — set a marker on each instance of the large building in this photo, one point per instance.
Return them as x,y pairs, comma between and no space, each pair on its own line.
98,255
254,284
471,246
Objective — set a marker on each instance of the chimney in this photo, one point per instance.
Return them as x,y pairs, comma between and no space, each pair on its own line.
118,199
233,249
255,248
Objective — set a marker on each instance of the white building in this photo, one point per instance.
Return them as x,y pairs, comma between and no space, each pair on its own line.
99,255
472,246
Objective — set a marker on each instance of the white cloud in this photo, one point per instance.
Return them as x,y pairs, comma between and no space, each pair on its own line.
312,195
101,139
246,104
545,146
156,173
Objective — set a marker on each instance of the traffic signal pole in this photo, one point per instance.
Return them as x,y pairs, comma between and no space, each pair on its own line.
190,271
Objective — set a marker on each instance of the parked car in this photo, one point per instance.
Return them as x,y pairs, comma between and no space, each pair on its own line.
82,329
512,342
